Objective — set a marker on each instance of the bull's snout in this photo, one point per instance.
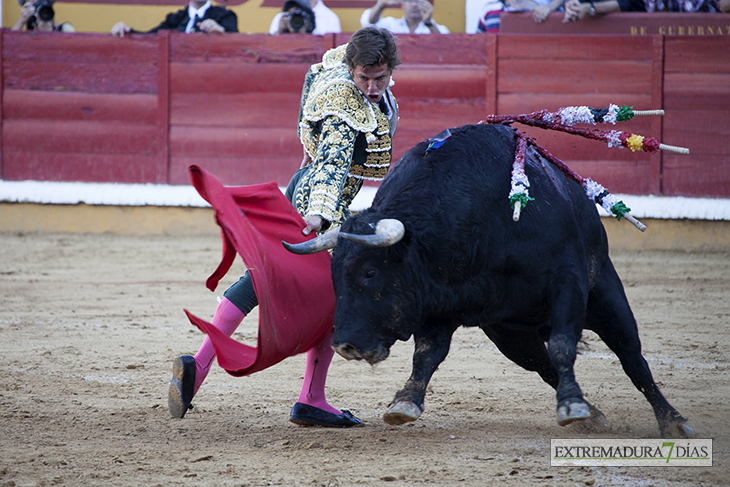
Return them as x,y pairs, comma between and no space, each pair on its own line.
351,352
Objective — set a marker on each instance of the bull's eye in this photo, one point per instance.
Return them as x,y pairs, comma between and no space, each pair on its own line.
370,273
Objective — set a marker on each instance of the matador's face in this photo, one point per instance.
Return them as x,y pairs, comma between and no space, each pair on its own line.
372,82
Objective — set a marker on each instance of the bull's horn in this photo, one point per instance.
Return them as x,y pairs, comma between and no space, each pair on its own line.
387,232
326,241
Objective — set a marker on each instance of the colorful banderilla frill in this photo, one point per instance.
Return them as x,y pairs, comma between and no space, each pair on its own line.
583,114
563,120
519,193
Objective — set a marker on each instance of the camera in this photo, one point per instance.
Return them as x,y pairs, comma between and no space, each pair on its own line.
299,18
44,10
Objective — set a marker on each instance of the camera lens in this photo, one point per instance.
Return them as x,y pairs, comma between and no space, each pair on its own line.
296,21
44,12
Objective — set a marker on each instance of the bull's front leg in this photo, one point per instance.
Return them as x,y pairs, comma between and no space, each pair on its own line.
431,348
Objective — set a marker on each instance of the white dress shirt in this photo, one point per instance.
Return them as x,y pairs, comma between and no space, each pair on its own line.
192,12
399,26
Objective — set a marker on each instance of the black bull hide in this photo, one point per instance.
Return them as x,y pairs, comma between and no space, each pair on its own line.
463,261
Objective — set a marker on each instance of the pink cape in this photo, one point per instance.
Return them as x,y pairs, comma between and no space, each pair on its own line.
295,294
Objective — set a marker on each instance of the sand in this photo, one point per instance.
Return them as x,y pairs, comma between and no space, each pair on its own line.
90,325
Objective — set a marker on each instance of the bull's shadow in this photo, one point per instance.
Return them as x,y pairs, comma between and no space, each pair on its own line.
439,249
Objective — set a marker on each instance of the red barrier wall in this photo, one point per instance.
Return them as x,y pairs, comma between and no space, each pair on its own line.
628,23
89,107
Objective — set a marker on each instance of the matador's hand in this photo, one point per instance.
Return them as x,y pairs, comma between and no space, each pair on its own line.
314,224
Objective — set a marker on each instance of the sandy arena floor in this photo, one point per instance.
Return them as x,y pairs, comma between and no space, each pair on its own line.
90,325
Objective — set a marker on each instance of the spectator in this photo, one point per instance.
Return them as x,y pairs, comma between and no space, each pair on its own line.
417,18
489,18
296,17
684,5
199,16
540,8
575,10
325,20
38,16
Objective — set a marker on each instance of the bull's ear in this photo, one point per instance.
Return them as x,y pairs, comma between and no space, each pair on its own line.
326,241
388,231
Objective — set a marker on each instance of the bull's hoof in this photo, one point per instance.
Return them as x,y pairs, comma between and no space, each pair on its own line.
402,412
676,428
597,423
570,410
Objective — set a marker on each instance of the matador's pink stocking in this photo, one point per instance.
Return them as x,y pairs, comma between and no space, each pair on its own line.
319,358
226,318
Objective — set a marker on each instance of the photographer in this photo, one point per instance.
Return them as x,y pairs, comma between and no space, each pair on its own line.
324,20
296,17
38,15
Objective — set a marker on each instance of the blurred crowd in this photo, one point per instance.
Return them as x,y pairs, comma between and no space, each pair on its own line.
314,17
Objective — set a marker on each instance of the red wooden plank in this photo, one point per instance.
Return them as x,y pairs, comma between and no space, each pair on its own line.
696,175
574,76
574,47
234,142
704,132
237,171
163,101
227,110
620,177
657,95
247,48
447,81
56,166
341,38
79,137
76,106
227,78
491,83
2,101
625,23
517,103
701,91
456,48
697,54
657,72
453,111
92,78
79,48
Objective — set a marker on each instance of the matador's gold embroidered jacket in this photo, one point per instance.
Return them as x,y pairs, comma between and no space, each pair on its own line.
347,137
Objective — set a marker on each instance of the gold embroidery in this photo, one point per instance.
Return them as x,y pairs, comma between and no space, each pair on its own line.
333,112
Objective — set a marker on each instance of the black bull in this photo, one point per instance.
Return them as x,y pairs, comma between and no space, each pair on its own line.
463,261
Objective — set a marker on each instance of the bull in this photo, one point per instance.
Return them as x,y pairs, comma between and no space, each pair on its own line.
438,249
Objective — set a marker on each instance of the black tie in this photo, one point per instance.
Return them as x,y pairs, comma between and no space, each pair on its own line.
195,23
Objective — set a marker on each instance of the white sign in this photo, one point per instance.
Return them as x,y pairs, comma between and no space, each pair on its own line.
630,453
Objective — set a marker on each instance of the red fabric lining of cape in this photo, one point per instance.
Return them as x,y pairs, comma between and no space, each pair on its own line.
295,294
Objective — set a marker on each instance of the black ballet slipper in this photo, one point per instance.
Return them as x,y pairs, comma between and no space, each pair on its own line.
182,386
306,415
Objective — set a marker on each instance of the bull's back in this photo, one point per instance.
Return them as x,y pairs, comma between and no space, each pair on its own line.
463,186
469,177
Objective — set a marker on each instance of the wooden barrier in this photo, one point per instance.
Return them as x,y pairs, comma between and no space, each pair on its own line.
697,99
621,23
89,107
234,103
537,71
